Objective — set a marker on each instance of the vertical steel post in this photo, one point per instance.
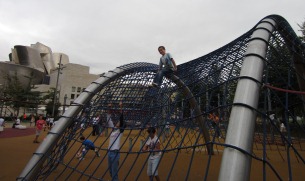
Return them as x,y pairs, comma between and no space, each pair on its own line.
235,165
34,165
65,103
197,112
55,92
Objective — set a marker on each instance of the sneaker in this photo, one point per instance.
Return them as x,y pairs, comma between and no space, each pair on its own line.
153,85
97,154
81,158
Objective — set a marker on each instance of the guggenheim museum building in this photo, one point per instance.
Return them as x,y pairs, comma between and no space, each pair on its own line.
31,64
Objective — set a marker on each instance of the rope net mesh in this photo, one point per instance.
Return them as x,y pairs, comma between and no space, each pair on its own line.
212,80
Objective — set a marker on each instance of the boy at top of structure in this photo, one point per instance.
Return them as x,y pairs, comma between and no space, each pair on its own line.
86,146
167,65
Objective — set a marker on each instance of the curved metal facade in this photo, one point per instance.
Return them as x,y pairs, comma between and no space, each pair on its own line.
36,59
23,73
28,56
46,56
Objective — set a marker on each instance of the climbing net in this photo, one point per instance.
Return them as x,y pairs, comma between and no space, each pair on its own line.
209,82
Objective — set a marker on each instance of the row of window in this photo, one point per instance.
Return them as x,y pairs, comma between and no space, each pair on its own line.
74,96
79,89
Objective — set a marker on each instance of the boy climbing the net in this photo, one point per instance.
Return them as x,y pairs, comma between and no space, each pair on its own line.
86,146
167,65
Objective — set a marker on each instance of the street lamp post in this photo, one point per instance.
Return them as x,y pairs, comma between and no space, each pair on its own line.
2,100
65,102
56,87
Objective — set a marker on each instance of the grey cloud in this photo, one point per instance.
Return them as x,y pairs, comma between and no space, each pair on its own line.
104,34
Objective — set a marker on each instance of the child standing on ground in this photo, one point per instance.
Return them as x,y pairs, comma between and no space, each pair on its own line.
115,144
153,145
32,120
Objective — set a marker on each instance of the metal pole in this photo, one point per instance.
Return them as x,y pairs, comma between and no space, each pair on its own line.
197,112
55,91
235,165
2,99
36,162
34,165
65,102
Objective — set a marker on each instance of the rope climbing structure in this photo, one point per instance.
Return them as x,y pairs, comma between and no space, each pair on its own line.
235,113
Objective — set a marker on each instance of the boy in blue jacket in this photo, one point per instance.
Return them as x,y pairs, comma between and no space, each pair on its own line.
86,146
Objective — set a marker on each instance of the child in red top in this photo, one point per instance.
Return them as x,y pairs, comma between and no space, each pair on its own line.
39,126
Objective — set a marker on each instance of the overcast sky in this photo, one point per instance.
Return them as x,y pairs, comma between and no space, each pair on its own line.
104,34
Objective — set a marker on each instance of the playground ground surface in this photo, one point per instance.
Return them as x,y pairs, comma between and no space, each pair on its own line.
17,148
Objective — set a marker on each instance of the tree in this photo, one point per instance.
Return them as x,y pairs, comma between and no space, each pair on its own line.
302,30
49,101
18,96
14,93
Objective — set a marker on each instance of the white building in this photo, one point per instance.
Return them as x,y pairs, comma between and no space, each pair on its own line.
40,64
71,81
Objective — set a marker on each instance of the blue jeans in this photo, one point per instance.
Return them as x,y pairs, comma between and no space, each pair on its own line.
113,164
159,76
95,129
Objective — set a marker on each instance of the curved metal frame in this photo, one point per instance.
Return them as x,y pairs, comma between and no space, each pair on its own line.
236,165
38,158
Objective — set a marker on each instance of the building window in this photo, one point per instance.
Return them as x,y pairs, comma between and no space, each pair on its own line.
72,96
73,89
79,89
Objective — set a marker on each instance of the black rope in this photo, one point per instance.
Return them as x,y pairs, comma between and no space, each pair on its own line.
212,80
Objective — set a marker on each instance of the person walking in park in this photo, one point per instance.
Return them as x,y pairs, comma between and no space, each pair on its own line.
152,145
51,122
114,145
83,121
24,117
40,123
2,121
215,123
283,131
167,65
47,123
95,125
32,120
86,146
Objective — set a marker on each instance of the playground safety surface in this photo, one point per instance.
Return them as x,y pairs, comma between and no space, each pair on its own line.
17,148
13,132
